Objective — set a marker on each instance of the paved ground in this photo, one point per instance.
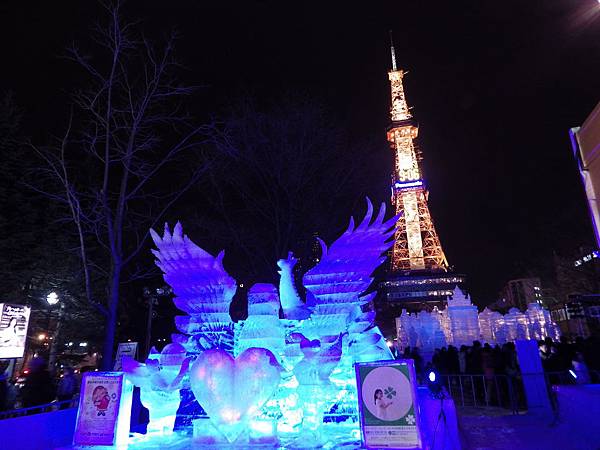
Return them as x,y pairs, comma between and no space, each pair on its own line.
497,430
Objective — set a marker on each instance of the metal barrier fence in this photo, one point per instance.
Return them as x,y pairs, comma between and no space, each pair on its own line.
505,391
479,390
48,407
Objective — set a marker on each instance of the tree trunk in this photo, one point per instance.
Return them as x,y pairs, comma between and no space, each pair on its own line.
111,320
54,344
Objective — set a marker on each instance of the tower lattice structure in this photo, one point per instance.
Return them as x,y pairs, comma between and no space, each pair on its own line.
417,245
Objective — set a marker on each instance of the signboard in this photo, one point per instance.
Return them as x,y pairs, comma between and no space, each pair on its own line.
104,409
125,349
389,417
14,320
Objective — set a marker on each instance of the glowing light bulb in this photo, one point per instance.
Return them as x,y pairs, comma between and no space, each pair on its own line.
52,298
432,376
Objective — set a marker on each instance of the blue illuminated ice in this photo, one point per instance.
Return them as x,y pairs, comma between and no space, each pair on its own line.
460,323
464,320
160,379
232,391
304,359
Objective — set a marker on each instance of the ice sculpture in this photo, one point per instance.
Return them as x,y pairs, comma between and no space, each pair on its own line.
540,323
463,318
316,343
314,385
202,289
516,324
490,325
160,380
291,304
423,330
263,327
460,323
232,391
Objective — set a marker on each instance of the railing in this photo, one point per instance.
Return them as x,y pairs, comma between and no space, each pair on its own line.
48,407
479,390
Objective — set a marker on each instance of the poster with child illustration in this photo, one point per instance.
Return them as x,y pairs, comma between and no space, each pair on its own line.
104,402
388,415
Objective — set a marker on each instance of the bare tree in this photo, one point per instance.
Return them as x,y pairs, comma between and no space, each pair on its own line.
127,155
287,172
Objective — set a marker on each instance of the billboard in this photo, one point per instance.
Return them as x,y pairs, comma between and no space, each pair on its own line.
14,320
389,416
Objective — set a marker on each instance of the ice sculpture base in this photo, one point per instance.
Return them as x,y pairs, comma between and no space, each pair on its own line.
343,435
260,434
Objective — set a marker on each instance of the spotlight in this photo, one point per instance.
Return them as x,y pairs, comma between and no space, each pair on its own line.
434,385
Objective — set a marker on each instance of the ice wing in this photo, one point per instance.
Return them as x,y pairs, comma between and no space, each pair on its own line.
202,287
344,271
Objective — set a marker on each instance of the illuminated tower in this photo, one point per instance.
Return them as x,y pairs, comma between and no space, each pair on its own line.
417,245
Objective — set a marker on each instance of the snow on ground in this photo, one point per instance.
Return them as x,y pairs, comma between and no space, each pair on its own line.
495,429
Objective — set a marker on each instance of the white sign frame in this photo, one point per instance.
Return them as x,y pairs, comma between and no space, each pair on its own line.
104,413
388,425
14,324
125,349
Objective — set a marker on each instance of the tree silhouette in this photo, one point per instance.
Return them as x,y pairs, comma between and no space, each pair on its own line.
127,155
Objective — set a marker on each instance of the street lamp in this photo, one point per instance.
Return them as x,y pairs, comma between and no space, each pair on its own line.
52,298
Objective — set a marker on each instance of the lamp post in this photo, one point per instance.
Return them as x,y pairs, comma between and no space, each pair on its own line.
151,296
53,299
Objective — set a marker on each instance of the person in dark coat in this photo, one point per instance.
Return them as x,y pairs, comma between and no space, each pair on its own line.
3,392
66,387
38,388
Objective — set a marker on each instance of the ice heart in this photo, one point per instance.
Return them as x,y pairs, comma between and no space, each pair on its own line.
231,390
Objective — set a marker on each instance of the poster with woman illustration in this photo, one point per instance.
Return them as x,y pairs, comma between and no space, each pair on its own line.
104,409
386,395
14,320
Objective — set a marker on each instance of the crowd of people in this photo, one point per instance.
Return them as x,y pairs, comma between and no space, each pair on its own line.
489,374
580,356
39,387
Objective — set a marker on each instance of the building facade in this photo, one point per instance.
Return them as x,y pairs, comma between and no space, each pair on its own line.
520,293
585,141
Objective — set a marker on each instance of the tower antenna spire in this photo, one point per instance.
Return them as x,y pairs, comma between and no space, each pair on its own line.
394,67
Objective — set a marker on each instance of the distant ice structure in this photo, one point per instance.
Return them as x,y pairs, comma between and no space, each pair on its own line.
316,342
464,322
461,324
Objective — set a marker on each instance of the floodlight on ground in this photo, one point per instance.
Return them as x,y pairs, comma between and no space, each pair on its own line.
432,376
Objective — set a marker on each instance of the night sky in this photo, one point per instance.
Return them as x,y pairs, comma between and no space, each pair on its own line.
495,87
